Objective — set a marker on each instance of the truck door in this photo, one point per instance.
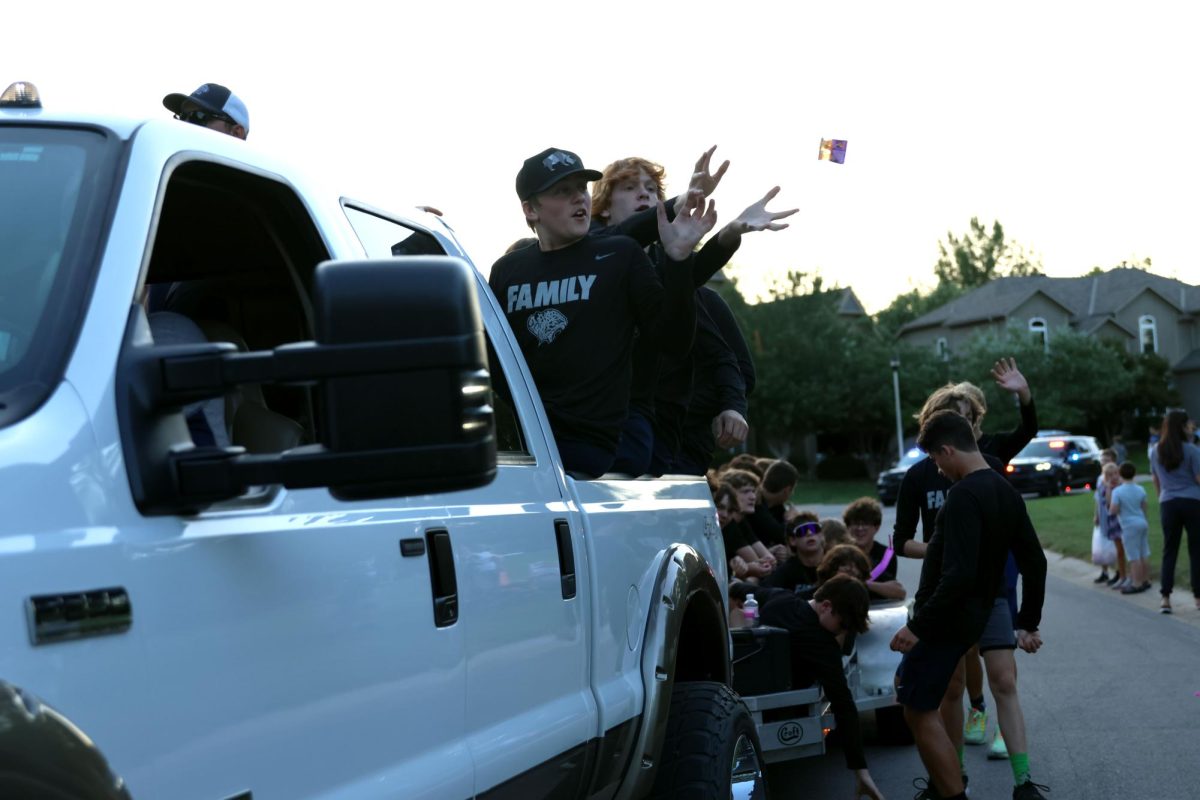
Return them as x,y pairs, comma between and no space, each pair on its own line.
295,645
530,713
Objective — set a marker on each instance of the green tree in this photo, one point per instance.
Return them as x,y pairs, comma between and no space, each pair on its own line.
979,255
1076,380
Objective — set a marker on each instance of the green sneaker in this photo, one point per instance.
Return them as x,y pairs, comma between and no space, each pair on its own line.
998,751
975,731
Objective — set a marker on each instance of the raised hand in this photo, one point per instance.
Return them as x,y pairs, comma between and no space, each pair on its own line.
757,218
703,180
680,237
1010,379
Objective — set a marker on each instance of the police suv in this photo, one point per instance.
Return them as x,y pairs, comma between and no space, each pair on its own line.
283,518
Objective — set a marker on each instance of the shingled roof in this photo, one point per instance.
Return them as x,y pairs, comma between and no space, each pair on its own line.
1090,299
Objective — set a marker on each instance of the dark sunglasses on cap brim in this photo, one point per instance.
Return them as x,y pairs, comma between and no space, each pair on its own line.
198,116
805,529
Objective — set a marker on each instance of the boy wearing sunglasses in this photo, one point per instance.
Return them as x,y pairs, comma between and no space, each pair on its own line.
211,106
799,573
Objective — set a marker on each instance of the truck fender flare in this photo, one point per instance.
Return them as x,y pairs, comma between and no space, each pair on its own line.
684,578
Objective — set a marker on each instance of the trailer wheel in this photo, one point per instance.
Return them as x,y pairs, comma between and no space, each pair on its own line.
711,751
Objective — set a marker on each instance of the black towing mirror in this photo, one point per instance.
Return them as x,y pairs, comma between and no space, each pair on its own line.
400,369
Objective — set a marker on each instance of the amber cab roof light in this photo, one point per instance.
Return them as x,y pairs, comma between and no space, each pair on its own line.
21,94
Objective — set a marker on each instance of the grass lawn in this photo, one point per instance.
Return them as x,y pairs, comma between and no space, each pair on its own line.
831,492
1064,524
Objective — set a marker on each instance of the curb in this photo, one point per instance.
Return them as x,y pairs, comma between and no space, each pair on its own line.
1083,573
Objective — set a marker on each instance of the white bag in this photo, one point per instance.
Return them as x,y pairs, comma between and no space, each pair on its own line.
1104,551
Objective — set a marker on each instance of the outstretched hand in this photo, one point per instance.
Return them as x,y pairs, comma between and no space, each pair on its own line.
703,180
680,236
1010,379
757,218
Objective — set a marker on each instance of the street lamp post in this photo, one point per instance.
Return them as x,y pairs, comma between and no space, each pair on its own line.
896,390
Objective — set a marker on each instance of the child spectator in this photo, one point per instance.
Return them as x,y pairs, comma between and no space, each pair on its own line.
863,519
1110,524
1101,519
1129,504
799,573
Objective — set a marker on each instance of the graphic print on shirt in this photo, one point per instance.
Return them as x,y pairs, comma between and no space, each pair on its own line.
546,325
549,293
935,499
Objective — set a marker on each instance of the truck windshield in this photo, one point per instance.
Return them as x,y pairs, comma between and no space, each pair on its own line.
53,188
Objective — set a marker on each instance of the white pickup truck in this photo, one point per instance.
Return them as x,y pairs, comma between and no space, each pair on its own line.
282,515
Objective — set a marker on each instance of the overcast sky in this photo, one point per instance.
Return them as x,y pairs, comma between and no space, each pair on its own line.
1073,124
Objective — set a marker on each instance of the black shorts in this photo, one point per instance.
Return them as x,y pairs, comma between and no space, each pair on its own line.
925,672
998,633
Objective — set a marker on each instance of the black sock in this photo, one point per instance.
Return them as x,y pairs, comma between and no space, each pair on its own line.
978,703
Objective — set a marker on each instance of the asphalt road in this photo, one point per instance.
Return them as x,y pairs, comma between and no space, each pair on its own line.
1111,702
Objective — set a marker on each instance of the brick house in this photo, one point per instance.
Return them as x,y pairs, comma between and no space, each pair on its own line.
1145,312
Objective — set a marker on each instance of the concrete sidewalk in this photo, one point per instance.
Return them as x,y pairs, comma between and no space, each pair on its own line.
1083,574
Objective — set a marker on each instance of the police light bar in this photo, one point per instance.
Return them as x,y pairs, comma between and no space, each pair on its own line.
1057,445
21,95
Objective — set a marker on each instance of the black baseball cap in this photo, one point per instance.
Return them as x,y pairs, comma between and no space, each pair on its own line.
547,168
215,98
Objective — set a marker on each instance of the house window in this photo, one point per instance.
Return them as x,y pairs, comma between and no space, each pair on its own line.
1037,328
942,348
1148,334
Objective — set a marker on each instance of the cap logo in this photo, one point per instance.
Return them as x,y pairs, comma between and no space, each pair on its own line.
557,159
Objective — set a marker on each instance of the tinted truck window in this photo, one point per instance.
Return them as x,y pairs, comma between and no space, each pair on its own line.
53,189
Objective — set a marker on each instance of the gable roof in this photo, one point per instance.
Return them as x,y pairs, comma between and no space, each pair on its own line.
1085,297
849,306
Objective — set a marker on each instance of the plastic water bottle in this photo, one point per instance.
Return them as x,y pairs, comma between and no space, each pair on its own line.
750,611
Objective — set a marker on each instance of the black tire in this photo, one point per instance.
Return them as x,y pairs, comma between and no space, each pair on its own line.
891,727
711,745
1056,487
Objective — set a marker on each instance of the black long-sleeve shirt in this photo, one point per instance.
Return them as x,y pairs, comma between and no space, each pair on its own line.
921,495
982,520
817,658
574,312
1006,445
650,359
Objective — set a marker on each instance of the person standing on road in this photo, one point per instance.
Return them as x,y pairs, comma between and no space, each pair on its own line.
1175,466
211,106
839,607
982,520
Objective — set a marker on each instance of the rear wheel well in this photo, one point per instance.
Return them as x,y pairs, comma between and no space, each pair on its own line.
703,649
